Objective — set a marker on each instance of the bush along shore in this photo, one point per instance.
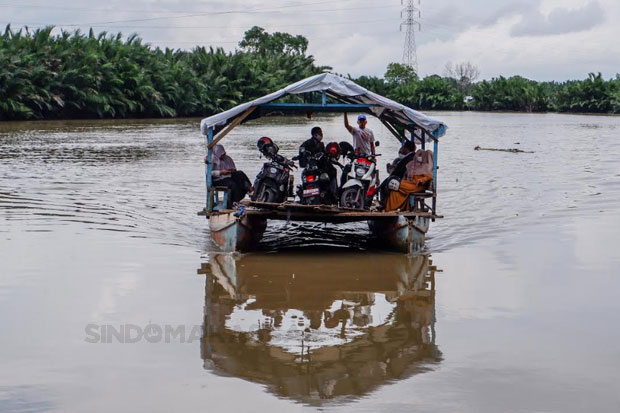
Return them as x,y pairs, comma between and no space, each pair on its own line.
77,75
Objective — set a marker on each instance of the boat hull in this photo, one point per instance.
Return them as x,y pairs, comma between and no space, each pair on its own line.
232,233
400,233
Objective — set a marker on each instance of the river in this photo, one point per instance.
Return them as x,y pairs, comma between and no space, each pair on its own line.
113,297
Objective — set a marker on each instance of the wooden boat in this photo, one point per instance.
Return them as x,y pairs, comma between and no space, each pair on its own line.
242,228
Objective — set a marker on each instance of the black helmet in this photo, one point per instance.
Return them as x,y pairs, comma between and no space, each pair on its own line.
345,148
262,142
267,147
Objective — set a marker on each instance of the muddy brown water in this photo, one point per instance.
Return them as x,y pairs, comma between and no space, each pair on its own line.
113,297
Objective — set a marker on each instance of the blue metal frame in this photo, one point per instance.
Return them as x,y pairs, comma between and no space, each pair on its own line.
209,168
223,203
317,107
435,149
439,132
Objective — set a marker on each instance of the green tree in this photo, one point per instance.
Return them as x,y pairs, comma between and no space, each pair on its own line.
372,83
257,40
593,95
511,94
398,74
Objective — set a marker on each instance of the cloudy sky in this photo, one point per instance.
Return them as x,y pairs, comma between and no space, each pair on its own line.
539,39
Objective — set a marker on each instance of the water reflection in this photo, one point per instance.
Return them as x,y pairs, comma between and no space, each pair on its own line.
313,329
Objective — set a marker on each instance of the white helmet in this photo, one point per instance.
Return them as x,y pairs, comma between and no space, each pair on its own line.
394,184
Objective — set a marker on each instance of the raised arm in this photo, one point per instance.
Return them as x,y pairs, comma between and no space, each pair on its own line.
346,123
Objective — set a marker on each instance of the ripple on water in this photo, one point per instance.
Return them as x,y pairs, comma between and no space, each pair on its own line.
146,178
295,235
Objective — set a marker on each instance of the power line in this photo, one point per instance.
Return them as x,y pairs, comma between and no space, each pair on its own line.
245,27
202,14
410,55
197,42
210,13
262,11
40,6
339,23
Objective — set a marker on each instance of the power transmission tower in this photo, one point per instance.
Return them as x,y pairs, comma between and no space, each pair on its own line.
410,55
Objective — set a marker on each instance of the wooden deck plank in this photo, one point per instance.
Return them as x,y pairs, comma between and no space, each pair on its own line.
291,211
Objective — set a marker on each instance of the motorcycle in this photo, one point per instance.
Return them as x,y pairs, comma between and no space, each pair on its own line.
315,182
274,182
359,186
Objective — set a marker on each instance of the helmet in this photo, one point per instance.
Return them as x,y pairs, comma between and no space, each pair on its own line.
393,185
262,142
333,149
345,147
267,147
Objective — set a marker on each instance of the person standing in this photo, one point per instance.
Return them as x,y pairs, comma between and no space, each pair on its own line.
363,142
363,138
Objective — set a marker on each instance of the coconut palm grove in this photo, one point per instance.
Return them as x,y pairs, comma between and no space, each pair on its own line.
75,75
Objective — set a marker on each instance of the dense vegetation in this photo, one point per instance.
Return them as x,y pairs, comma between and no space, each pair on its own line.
76,75
592,95
84,76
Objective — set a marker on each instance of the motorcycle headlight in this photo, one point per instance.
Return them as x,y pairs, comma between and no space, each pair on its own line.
273,170
360,171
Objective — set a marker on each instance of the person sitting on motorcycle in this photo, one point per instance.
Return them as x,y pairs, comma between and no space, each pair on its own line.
313,146
225,173
417,172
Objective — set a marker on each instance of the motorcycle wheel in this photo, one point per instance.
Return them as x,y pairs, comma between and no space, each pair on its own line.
266,193
352,198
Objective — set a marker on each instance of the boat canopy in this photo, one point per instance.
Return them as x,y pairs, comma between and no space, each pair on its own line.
351,97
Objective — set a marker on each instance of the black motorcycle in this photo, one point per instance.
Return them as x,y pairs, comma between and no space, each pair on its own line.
274,182
315,188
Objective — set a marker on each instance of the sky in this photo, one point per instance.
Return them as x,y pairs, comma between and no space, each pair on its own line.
538,39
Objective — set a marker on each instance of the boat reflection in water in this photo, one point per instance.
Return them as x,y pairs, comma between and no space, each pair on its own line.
319,327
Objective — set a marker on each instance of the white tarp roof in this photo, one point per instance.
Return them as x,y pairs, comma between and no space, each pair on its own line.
334,86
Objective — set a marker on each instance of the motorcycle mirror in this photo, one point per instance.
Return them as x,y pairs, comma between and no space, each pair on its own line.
377,143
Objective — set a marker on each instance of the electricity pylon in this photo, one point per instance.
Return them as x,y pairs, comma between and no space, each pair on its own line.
409,13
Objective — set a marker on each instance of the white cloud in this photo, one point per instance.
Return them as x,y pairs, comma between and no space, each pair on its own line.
550,57
362,37
560,20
